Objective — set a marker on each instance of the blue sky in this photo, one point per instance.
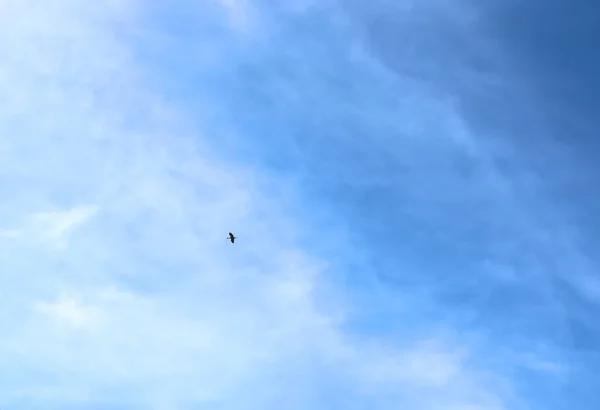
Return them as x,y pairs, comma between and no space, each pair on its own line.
412,186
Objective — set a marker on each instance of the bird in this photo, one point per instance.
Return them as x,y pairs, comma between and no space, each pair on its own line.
231,237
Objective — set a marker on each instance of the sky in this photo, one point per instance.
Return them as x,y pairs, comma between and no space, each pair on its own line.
412,185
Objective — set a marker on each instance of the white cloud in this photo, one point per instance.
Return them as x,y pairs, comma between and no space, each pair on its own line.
66,310
423,365
55,226
241,14
50,229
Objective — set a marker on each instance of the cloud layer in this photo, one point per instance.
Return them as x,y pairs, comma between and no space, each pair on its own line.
397,249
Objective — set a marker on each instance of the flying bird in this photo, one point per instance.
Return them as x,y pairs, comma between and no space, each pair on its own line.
231,237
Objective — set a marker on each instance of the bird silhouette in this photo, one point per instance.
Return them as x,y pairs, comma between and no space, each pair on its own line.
231,237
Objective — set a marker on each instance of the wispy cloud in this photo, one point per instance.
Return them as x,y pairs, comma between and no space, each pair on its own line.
129,150
241,13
